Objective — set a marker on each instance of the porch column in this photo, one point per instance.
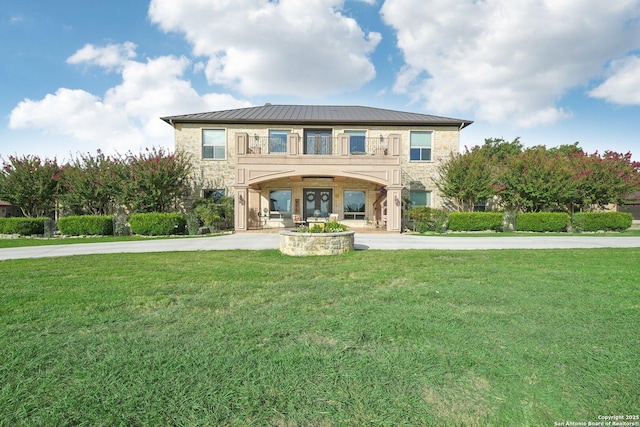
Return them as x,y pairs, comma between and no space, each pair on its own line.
241,208
394,209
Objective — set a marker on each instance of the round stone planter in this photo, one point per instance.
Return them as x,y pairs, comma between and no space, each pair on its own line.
306,244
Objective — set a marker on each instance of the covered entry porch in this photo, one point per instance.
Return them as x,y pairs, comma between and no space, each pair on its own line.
290,201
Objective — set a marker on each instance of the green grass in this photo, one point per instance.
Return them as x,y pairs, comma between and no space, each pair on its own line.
444,338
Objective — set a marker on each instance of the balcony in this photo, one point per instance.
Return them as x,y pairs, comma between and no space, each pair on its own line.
318,145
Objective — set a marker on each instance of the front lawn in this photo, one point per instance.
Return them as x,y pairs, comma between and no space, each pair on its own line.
508,337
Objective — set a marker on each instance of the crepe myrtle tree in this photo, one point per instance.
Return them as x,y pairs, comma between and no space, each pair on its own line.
30,183
603,179
154,180
536,180
466,178
91,184
469,177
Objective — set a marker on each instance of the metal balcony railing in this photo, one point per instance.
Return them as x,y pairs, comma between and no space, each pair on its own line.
319,145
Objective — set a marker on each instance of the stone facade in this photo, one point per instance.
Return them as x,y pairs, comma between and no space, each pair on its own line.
384,175
308,244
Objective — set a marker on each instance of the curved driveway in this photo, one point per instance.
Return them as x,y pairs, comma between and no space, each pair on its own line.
259,241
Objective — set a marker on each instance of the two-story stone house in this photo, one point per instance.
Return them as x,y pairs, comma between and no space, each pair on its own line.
284,161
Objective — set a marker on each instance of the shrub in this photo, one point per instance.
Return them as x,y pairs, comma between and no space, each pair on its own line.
334,227
422,218
214,212
428,219
440,219
23,226
86,225
475,221
157,224
329,227
542,221
601,221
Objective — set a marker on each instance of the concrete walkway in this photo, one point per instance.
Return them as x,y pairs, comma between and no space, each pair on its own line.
363,241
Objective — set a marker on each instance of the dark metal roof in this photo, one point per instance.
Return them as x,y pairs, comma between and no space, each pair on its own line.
316,114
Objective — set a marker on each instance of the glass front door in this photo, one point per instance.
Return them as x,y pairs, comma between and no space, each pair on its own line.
318,202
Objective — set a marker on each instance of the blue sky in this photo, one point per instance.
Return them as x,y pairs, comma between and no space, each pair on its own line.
83,75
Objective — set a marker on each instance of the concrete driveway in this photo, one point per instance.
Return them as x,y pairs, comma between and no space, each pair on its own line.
363,241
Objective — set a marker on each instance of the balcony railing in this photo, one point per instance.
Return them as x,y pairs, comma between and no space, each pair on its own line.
319,145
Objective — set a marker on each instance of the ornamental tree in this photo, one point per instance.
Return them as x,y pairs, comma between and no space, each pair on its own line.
31,184
535,180
466,178
91,184
154,181
605,179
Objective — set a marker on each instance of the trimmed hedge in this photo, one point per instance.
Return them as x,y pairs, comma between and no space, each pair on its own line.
157,224
542,221
86,225
601,221
475,221
23,226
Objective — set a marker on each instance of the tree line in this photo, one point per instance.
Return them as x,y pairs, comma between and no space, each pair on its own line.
152,181
536,179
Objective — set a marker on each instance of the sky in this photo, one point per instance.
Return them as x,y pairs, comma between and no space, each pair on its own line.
77,76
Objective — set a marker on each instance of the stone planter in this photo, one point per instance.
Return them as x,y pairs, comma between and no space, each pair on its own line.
305,244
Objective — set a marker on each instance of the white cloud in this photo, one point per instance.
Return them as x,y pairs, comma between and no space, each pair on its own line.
507,60
127,116
258,47
623,84
112,56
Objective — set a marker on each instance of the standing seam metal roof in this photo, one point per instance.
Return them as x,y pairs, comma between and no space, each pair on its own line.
330,114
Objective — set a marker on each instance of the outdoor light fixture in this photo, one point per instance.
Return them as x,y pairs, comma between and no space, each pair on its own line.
396,201
241,199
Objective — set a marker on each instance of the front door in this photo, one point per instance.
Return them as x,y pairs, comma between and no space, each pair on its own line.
317,202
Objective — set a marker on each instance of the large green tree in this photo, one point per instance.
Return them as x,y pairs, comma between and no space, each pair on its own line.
91,184
154,181
603,179
466,178
30,183
535,180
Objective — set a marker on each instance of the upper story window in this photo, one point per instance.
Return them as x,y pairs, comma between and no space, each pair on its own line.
318,141
214,144
420,146
278,141
356,141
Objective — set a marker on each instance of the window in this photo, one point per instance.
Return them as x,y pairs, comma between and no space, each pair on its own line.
317,141
280,203
356,141
215,194
354,204
420,198
420,146
214,144
278,141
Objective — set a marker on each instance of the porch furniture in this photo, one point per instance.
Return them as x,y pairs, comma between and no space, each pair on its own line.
298,221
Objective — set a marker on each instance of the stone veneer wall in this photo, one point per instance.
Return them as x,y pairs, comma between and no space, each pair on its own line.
421,175
213,174
306,244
